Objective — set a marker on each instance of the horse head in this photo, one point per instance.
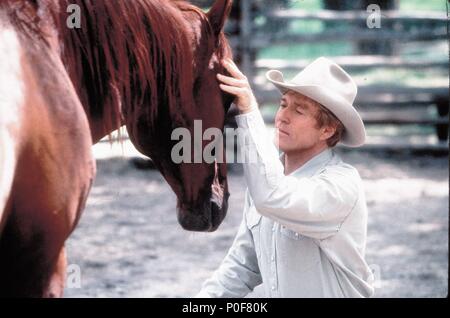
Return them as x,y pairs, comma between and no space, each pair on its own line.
152,66
199,183
203,195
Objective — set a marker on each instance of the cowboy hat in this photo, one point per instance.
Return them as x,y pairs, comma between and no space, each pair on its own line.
328,84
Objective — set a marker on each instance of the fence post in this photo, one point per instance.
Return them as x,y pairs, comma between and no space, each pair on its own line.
245,38
442,129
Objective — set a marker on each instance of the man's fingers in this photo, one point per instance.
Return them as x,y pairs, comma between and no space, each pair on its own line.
231,81
231,89
233,69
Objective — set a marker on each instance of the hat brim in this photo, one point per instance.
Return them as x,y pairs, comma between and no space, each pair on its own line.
354,133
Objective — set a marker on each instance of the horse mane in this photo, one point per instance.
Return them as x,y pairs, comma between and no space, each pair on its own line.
129,52
136,53
126,52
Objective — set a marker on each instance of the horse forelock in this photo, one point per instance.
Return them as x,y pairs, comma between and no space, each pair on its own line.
218,46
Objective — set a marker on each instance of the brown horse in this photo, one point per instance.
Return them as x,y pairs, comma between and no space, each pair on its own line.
146,64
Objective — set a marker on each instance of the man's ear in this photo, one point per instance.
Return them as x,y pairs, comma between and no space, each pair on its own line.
218,15
327,132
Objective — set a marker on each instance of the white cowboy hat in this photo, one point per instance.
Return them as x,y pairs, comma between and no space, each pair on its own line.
328,84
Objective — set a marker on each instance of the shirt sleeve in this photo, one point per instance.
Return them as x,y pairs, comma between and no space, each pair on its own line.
314,207
239,272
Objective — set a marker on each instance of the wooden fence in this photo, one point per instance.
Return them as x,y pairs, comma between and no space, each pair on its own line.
387,104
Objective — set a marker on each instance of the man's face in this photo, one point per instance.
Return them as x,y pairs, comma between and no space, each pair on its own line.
296,123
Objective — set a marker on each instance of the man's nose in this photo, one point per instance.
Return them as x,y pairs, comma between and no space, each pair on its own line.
283,115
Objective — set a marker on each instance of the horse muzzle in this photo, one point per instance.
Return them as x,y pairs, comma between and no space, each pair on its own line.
204,219
208,214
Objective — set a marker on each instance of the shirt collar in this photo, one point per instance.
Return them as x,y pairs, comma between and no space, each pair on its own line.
312,165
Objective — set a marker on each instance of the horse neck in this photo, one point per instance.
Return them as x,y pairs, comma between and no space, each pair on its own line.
142,65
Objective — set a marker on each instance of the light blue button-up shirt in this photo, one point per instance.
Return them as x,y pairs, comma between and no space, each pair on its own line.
302,235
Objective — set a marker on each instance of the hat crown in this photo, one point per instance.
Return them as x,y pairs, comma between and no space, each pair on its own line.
327,74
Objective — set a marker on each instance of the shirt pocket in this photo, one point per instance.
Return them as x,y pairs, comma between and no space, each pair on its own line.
301,253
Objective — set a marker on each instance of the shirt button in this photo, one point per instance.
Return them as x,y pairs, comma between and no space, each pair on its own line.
296,234
273,258
273,287
273,229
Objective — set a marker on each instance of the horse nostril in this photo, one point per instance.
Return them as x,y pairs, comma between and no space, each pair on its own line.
196,222
206,219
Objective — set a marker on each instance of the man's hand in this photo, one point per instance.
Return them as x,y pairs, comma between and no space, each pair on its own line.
238,86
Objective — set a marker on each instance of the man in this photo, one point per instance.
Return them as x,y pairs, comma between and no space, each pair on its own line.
305,217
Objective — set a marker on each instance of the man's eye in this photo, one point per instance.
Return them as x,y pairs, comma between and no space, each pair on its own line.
299,112
282,105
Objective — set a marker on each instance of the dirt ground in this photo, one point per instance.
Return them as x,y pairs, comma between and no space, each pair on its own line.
129,244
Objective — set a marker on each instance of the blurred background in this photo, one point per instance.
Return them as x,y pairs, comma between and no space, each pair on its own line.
400,63
129,244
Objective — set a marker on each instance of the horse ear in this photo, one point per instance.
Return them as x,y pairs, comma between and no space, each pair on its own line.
218,15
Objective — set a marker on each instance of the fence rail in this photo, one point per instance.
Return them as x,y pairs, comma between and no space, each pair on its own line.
378,95
355,63
262,41
361,16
